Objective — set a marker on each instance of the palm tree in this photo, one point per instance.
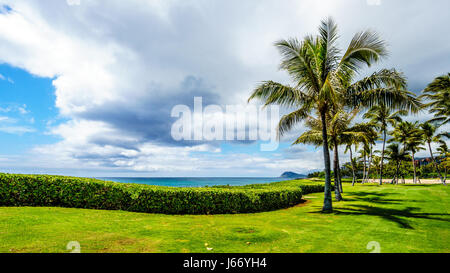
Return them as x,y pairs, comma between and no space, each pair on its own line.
348,148
368,142
401,132
376,164
438,93
355,140
409,135
363,154
323,77
372,153
314,137
350,142
365,133
429,135
396,155
414,145
339,132
382,117
444,153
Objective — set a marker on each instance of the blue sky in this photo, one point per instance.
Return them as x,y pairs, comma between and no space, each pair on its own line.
87,87
26,109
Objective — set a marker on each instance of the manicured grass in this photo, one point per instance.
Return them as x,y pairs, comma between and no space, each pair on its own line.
403,218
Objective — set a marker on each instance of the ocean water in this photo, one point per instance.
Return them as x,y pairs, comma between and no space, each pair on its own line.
194,181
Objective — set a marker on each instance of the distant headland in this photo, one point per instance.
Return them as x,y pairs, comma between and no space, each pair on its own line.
292,175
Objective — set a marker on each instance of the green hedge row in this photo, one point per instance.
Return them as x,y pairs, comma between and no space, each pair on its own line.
72,192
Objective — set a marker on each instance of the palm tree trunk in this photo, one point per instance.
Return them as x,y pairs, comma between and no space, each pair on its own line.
414,167
327,202
364,169
435,164
370,163
445,176
402,164
341,189
382,157
353,167
396,172
337,190
403,178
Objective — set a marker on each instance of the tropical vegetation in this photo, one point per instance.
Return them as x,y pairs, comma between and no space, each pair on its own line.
325,82
401,218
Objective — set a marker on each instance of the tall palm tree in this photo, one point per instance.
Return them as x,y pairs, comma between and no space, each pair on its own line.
429,134
382,117
397,156
323,77
438,93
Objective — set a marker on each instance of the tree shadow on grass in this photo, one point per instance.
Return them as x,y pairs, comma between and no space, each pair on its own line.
393,215
399,216
378,198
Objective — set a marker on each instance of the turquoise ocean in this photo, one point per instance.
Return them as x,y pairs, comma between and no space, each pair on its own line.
194,181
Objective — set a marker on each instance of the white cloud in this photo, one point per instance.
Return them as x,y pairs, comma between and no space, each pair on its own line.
11,126
3,78
23,109
16,130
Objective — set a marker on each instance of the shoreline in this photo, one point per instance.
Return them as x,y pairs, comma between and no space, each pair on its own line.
427,181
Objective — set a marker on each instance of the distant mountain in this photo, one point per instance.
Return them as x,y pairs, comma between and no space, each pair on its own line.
292,175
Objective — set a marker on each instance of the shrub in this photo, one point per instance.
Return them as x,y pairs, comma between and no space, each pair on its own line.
72,192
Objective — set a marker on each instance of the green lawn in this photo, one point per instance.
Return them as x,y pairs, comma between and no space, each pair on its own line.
404,218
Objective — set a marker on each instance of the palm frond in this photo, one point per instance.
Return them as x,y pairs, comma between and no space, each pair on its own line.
311,137
365,48
391,97
382,78
299,61
287,122
328,32
276,93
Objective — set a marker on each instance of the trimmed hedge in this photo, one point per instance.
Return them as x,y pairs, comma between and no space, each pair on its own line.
72,192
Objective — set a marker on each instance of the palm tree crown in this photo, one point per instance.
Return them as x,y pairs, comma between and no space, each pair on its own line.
409,134
438,93
396,155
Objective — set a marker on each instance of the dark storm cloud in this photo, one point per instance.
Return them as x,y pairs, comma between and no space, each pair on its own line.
150,118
